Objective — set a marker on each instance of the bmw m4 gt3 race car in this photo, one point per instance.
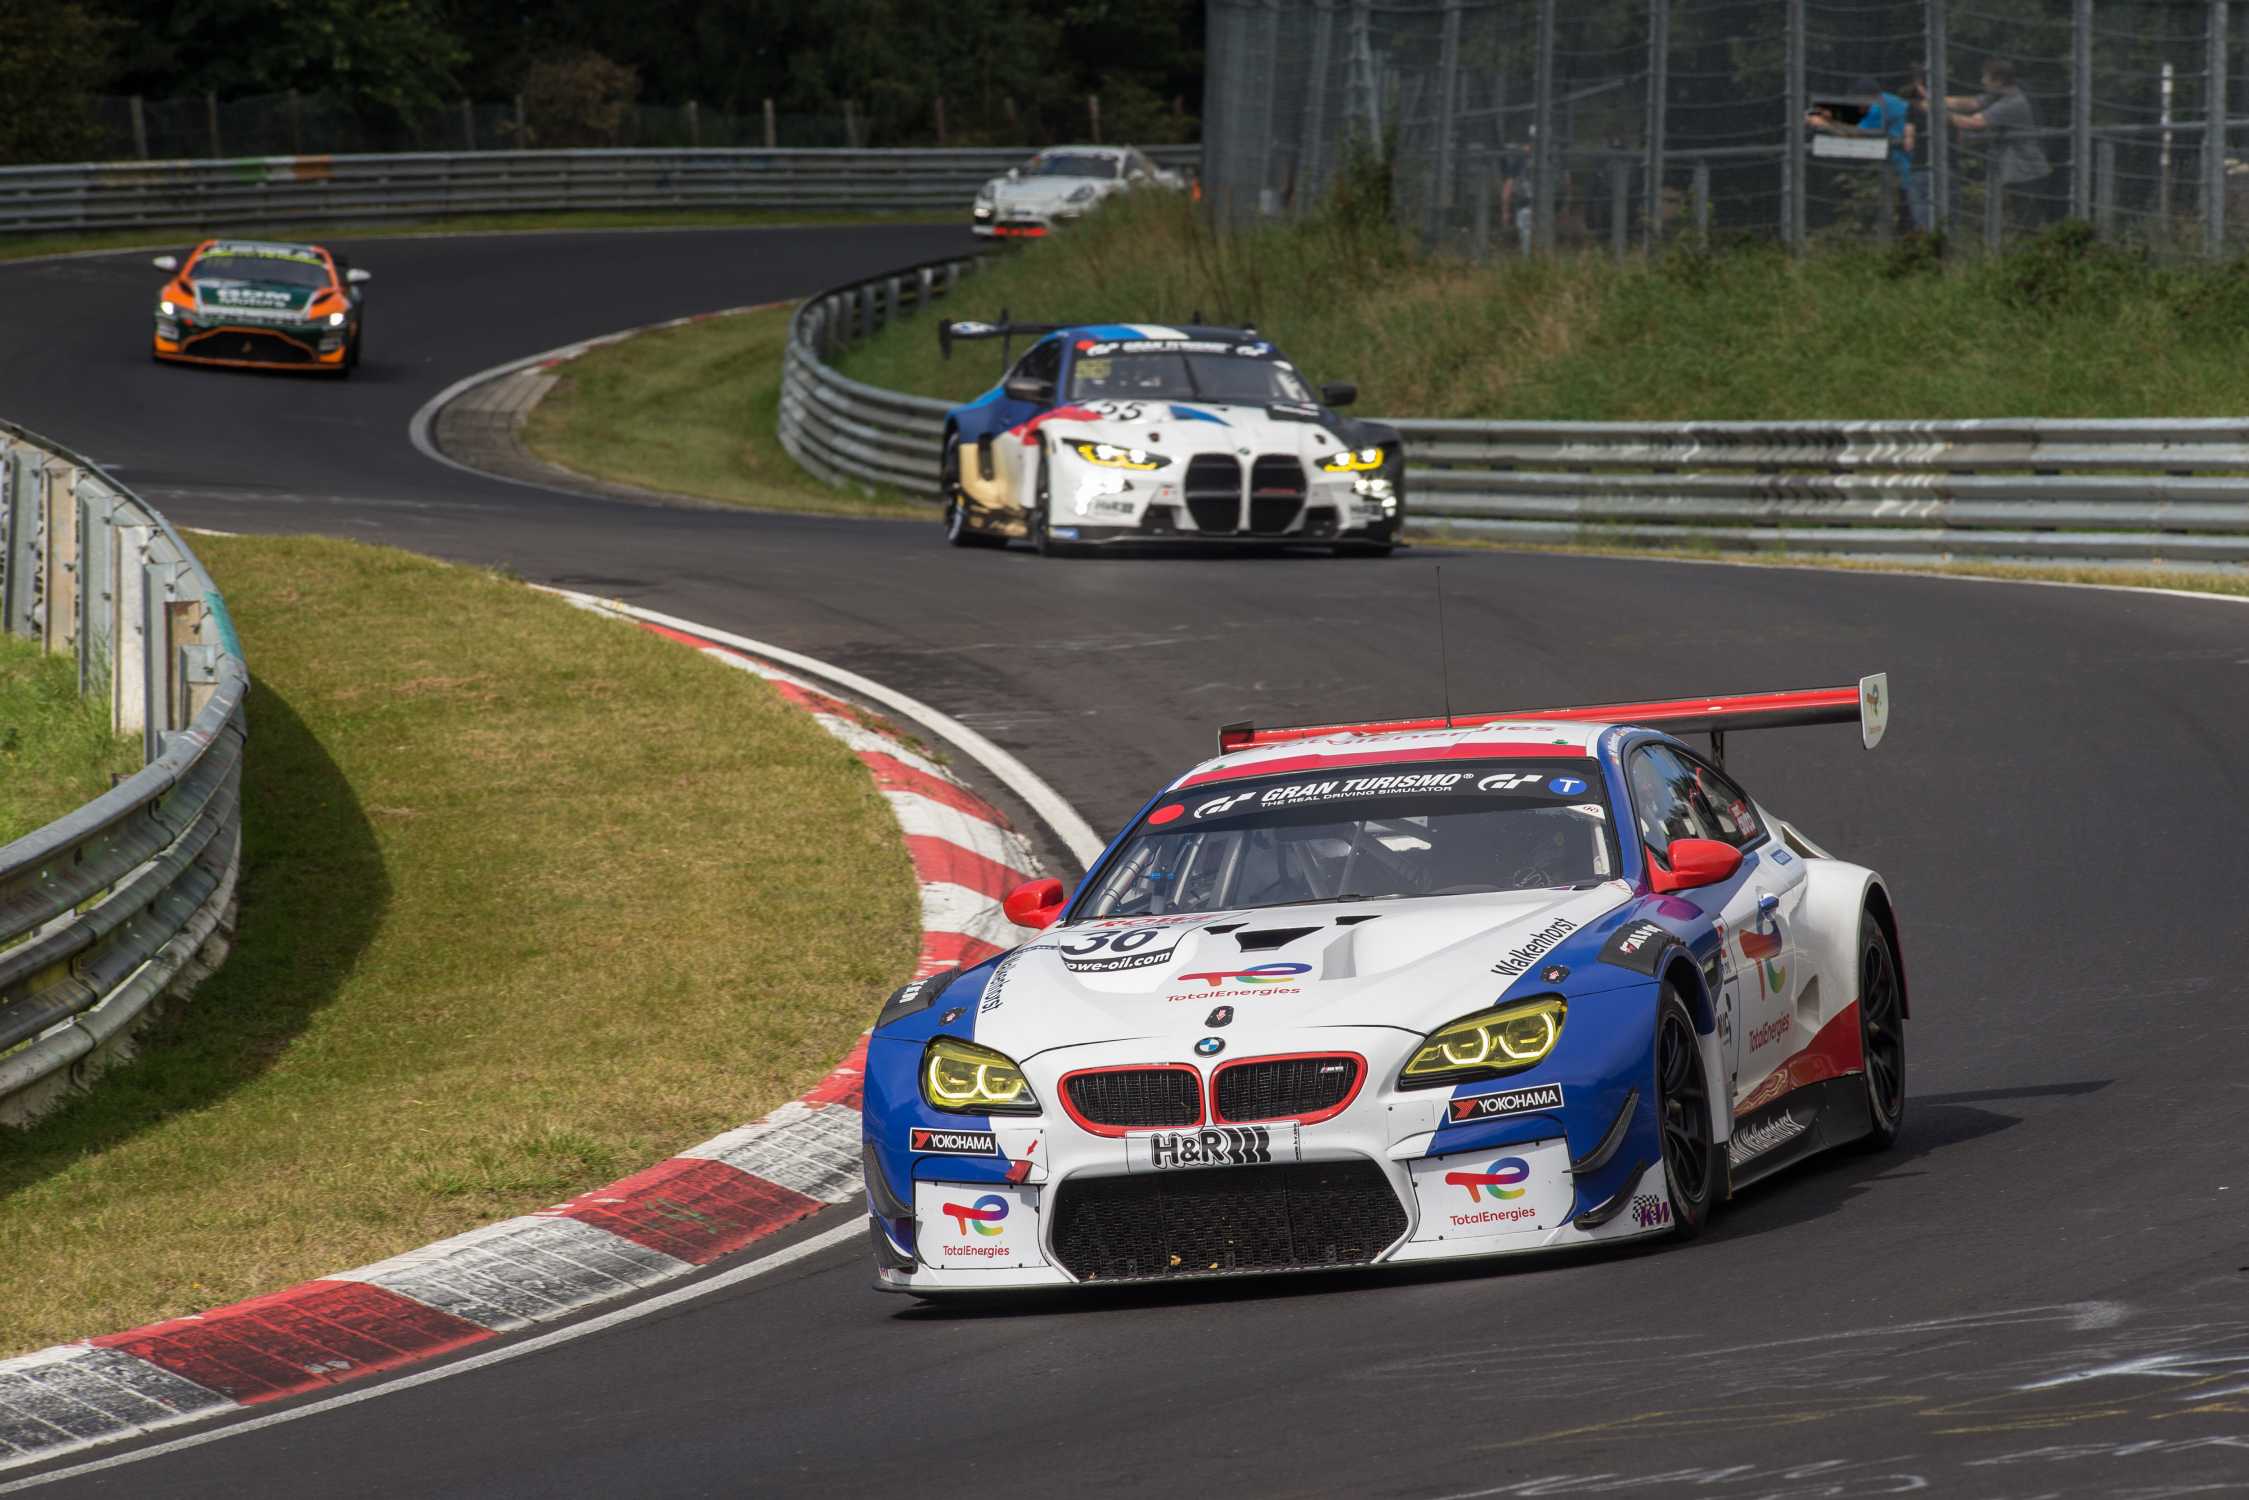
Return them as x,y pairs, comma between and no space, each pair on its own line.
1366,994
261,304
1060,184
1140,433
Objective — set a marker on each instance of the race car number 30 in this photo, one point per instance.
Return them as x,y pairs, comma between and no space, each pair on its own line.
1211,1146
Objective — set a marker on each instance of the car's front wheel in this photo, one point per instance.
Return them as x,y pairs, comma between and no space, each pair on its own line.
1042,519
1691,1154
1881,1034
959,530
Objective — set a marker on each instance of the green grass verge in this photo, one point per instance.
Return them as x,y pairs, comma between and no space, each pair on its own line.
56,749
693,410
530,899
20,247
2059,327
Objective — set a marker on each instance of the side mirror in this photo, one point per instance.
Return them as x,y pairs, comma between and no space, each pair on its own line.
166,263
1339,393
355,276
1036,904
1694,863
1028,388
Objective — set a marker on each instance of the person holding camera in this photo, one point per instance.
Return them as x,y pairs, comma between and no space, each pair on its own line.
1886,116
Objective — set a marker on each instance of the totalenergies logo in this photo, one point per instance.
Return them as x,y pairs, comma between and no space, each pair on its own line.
984,1215
1262,974
1763,950
1495,1181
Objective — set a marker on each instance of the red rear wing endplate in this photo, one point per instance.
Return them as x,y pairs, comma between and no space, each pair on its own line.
1866,705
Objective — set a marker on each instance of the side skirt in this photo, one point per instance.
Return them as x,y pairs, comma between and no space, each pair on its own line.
1801,1123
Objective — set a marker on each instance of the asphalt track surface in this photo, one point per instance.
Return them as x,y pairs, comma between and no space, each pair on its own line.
2043,1291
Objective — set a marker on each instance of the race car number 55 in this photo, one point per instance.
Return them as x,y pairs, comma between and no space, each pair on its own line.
1211,1146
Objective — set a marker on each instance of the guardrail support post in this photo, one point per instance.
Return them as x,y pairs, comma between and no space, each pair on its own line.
59,503
2214,137
128,702
97,541
771,137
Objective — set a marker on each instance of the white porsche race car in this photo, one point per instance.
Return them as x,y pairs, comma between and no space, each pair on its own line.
1351,995
1060,184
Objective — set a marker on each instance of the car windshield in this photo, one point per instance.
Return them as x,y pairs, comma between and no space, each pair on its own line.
1236,378
1073,164
280,270
1446,828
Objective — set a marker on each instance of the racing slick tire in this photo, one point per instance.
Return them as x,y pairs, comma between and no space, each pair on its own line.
1881,1034
958,531
1693,1162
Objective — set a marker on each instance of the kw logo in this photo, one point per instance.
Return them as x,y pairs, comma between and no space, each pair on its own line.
1262,974
983,1216
1495,1181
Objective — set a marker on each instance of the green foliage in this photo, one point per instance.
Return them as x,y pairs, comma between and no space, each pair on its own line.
577,99
53,58
2058,327
394,56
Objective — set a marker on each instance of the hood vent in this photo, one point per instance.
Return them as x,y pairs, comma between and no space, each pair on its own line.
1266,939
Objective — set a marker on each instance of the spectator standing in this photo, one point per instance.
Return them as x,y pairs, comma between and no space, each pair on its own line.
1886,117
2003,118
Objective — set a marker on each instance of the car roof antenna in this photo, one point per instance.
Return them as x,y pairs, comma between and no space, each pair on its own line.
1444,659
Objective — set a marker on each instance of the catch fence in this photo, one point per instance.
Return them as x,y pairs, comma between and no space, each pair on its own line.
2085,490
1521,125
122,902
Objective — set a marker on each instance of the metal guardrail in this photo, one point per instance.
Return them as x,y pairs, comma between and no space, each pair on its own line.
114,906
2095,490
419,185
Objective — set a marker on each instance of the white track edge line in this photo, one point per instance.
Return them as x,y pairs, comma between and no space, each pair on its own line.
626,1314
1076,834
421,425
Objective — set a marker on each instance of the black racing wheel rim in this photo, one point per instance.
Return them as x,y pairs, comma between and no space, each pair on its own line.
1685,1093
1882,1019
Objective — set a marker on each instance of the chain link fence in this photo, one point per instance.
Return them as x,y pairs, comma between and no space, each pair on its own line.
1513,126
133,128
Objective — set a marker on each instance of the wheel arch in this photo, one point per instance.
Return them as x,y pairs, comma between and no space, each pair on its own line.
1680,971
1885,917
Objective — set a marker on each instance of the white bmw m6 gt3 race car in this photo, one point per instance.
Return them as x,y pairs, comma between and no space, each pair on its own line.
1364,994
1060,184
1144,434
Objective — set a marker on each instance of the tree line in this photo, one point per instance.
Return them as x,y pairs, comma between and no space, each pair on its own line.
904,72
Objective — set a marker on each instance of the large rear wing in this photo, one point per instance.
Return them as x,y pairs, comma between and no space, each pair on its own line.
951,329
1866,705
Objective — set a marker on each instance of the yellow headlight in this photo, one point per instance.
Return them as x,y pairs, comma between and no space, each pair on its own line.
1353,461
1109,456
1496,1041
963,1076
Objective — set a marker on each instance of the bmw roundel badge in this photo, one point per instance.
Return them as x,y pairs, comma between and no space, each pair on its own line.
1210,1046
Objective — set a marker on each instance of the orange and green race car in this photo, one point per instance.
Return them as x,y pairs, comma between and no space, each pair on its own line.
260,303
